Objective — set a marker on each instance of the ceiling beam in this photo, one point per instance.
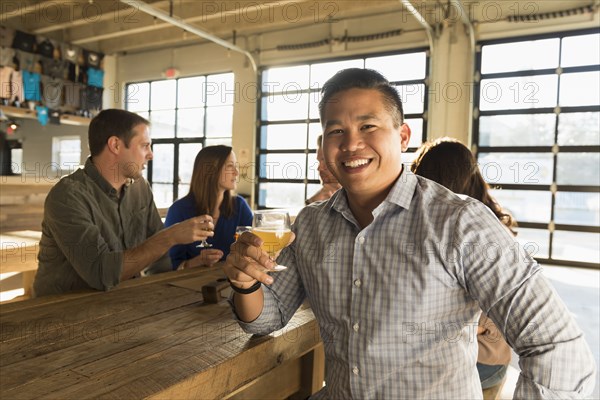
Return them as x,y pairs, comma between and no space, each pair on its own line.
85,21
190,28
165,25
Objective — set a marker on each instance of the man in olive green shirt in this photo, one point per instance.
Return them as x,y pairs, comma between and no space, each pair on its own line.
100,224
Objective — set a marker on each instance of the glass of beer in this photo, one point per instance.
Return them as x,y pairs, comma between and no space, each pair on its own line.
273,227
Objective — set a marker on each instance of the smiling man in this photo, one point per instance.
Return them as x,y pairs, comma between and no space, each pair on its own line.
101,225
397,269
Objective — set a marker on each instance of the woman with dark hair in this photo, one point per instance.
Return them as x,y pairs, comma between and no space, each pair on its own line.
451,164
213,180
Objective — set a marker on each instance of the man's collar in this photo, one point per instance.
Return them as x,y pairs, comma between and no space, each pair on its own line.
401,193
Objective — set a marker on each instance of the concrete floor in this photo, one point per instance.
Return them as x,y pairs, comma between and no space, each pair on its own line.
580,290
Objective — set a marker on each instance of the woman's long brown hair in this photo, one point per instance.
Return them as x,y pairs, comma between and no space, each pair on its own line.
205,180
451,164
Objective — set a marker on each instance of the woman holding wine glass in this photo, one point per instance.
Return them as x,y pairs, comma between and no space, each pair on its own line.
213,179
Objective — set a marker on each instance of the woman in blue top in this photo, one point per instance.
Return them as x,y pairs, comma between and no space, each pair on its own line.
213,180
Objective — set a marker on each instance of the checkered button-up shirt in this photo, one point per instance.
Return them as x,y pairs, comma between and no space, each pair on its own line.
398,302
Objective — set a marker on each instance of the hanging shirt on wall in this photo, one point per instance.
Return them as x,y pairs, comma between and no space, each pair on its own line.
95,77
24,41
31,83
45,47
17,91
92,98
7,35
52,92
6,82
70,52
55,68
72,92
42,114
6,57
27,61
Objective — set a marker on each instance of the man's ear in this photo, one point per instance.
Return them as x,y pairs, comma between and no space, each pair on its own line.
404,136
114,144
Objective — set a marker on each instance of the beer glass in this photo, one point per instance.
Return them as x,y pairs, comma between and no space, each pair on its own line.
273,227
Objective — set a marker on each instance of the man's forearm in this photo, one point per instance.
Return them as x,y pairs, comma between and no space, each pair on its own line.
140,257
248,306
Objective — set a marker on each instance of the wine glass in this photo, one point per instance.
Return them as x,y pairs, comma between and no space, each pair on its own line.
204,244
273,227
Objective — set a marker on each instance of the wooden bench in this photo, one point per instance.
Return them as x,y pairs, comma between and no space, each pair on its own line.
18,253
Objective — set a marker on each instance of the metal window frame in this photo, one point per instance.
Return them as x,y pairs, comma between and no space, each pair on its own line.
175,140
550,227
307,121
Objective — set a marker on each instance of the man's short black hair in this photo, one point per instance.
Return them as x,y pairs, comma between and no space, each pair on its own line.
358,78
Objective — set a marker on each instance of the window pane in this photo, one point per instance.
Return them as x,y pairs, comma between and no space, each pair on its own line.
578,169
283,166
288,136
525,205
518,92
516,168
163,95
416,127
190,92
577,89
285,79
577,129
219,121
401,67
312,188
408,158
183,189
281,195
217,141
577,208
138,97
520,56
162,124
576,246
286,106
187,155
536,242
190,122
320,73
220,89
413,98
163,163
314,130
517,130
314,98
163,194
580,50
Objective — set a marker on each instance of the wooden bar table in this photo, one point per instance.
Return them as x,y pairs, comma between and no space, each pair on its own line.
153,338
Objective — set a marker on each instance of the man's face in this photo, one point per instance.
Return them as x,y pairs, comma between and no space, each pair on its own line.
361,146
324,173
139,152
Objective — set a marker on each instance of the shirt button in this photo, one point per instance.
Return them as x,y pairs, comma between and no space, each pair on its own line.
355,327
357,282
355,370
361,239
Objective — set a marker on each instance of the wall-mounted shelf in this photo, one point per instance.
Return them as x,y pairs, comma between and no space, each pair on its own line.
25,113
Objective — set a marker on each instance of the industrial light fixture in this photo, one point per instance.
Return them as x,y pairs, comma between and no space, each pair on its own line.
12,126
